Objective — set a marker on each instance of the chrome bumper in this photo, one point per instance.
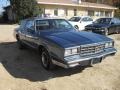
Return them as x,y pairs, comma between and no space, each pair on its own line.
77,60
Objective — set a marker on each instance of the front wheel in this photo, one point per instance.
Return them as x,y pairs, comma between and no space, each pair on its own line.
20,44
46,60
106,32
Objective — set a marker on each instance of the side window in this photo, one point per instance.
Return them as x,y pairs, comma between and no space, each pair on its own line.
117,21
86,19
29,25
62,24
90,19
42,25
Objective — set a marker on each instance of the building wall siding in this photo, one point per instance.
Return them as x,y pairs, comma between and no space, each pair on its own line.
49,9
109,2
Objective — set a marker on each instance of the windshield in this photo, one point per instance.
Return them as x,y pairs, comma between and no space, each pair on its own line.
75,19
103,21
53,24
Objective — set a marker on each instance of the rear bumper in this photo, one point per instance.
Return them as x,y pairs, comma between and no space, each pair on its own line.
77,60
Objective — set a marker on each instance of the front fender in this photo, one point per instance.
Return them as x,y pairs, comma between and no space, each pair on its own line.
53,49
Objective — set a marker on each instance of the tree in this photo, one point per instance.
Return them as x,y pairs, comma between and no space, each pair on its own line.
25,8
117,12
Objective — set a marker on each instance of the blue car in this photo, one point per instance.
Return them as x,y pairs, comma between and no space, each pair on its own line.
59,43
104,26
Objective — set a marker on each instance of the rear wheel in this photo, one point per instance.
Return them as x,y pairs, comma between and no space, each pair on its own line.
46,61
76,27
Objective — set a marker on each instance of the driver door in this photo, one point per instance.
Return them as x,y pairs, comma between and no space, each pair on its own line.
31,35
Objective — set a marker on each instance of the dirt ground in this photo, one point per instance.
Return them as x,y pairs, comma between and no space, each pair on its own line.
21,69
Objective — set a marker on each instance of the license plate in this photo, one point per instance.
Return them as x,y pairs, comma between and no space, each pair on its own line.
96,60
85,63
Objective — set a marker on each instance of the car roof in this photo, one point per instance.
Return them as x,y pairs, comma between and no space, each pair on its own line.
43,18
82,16
106,18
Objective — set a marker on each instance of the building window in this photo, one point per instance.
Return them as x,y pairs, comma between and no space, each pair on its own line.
66,12
108,13
100,1
75,12
97,13
102,13
56,12
90,13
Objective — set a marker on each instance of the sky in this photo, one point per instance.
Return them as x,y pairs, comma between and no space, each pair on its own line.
3,3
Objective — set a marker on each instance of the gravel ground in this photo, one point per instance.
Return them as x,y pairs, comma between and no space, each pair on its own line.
21,69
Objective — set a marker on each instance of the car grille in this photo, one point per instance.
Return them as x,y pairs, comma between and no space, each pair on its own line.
88,50
92,29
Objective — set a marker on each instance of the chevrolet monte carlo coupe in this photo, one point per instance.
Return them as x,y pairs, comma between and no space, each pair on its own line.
59,43
104,26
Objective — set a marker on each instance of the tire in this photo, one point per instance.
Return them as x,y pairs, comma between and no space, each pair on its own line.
106,32
76,27
46,60
117,32
20,44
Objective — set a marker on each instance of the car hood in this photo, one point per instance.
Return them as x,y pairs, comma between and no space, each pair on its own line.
73,38
98,25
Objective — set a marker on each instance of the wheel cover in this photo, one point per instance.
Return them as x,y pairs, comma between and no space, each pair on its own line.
44,59
76,27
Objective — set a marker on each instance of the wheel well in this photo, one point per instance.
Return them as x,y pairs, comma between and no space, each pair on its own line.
41,48
17,36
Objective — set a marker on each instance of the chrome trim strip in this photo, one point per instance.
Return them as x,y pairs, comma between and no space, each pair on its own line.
59,64
93,44
90,57
76,62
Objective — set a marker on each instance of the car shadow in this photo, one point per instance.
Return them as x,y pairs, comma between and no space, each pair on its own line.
25,64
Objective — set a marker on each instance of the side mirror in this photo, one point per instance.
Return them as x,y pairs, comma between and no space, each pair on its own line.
81,21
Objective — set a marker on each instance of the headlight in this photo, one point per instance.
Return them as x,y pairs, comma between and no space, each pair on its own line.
109,44
71,51
68,52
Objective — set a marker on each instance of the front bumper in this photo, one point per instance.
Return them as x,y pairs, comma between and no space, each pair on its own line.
99,32
77,60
